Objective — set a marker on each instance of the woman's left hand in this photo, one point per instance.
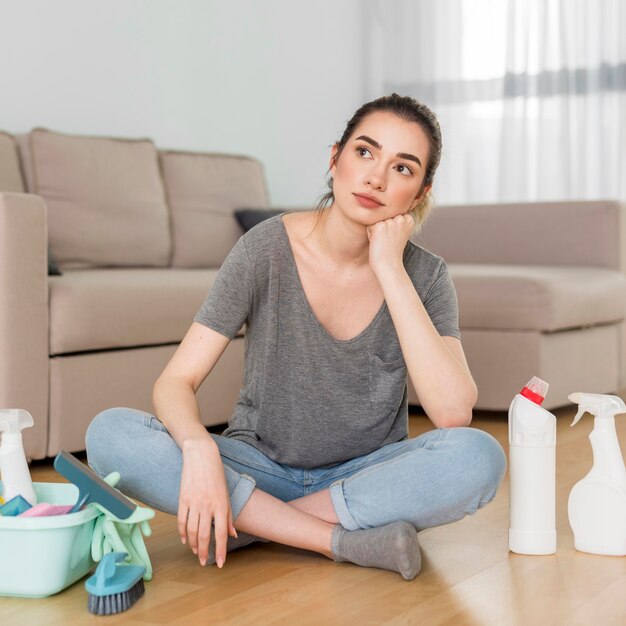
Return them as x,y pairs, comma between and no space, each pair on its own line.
388,239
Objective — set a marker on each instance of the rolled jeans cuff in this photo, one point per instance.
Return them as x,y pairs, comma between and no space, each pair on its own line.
341,508
241,493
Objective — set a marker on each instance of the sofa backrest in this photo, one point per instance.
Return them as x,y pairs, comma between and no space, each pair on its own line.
10,175
571,233
22,141
105,199
203,191
119,202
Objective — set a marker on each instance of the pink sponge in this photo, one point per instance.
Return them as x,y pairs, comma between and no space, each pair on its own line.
43,508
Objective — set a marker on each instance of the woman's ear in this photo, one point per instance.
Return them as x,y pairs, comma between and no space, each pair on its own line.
333,156
421,196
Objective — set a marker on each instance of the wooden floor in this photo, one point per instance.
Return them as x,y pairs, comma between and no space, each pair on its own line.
468,576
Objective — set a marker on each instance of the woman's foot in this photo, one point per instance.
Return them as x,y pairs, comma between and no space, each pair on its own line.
393,546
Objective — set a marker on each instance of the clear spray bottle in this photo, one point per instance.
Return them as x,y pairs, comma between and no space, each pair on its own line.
597,503
532,472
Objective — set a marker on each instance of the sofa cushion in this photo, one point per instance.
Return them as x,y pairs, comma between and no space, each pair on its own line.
203,191
10,176
546,299
23,148
105,197
119,308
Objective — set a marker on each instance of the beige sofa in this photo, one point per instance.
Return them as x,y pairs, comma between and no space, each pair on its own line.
542,292
140,233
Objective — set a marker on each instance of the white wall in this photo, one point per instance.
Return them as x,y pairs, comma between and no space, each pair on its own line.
274,79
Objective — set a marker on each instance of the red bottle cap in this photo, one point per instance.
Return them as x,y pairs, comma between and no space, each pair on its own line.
531,395
535,389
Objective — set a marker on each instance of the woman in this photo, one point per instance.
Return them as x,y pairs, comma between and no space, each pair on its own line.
339,305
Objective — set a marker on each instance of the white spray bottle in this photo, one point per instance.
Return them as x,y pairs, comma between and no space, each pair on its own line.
532,472
597,503
14,471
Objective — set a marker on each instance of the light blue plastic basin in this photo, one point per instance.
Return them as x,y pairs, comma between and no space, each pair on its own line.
40,556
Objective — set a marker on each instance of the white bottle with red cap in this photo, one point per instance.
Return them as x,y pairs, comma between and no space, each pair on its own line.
532,472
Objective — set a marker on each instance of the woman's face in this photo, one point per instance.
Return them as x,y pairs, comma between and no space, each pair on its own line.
386,158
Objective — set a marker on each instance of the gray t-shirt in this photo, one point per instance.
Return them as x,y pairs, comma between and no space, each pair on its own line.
309,400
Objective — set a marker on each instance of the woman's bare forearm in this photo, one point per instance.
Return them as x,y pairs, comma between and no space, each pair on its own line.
177,409
446,389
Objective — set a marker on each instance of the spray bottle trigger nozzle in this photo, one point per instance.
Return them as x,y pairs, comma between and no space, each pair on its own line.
581,411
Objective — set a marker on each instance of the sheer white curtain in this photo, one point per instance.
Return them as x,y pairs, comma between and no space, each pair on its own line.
530,94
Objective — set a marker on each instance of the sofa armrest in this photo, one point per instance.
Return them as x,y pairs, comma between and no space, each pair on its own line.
572,233
24,313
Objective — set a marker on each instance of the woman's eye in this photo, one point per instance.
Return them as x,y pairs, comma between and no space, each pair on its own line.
406,170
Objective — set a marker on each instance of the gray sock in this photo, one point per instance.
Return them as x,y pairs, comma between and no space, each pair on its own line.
243,539
393,547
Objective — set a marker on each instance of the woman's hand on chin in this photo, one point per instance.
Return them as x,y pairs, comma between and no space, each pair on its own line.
388,239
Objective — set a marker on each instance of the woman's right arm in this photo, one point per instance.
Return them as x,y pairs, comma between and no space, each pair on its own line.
174,392
203,490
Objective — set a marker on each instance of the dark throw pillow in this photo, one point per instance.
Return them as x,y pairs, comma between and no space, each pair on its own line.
53,268
248,218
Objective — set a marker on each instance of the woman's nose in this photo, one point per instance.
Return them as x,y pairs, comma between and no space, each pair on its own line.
376,180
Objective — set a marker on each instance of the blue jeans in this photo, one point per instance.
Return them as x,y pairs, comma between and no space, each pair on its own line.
430,480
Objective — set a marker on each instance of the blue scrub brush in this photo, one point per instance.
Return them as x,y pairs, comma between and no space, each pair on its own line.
91,488
114,588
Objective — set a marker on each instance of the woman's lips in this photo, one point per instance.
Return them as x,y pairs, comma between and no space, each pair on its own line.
366,202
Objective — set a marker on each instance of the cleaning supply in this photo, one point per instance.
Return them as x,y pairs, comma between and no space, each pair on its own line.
532,469
112,534
41,556
45,509
15,507
13,465
91,487
597,503
114,588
